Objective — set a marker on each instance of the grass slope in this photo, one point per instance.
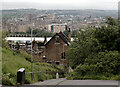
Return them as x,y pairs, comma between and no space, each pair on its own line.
14,60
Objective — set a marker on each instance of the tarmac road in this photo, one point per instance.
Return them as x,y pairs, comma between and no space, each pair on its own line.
89,82
64,82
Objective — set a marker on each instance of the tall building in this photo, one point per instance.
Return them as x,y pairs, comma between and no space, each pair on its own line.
56,28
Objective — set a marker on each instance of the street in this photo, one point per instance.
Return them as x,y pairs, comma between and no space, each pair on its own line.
89,82
51,82
63,81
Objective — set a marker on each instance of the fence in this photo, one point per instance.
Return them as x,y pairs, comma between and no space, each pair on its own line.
25,77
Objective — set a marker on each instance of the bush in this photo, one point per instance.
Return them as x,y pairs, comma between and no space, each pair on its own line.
41,77
27,79
6,80
16,52
102,66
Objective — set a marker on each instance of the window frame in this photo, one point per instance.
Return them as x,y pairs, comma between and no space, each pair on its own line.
57,40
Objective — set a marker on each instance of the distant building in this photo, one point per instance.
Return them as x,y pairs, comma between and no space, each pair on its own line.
56,28
29,17
46,17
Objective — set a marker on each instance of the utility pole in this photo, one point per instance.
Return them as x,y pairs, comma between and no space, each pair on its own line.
31,54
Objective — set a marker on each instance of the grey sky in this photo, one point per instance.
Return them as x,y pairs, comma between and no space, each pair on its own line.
61,4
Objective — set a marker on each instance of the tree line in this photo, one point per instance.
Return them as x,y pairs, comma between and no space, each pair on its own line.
95,52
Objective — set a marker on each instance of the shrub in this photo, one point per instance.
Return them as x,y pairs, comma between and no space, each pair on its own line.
6,80
104,65
41,77
27,79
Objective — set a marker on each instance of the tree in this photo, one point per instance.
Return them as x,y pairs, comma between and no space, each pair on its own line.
105,64
73,33
83,46
3,35
95,52
107,37
111,21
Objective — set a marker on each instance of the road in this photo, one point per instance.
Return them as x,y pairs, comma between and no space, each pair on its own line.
94,83
51,82
62,82
89,82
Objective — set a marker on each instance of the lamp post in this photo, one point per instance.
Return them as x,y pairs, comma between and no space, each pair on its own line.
31,54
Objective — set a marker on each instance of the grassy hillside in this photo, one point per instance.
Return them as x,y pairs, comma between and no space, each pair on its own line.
14,60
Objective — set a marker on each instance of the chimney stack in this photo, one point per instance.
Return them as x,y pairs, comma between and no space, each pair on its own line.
69,35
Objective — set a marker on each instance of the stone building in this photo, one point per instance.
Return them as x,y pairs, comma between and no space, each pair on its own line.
56,28
52,51
55,49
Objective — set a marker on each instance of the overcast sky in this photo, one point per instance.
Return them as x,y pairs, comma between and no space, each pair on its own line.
61,4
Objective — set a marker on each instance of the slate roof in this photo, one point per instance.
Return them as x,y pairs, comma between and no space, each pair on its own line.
62,36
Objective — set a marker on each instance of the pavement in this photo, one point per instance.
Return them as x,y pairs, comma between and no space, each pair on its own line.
63,81
51,82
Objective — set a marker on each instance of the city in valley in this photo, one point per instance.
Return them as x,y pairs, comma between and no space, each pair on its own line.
60,47
59,24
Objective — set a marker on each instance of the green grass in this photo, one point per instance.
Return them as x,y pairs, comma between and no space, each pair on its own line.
0,66
14,60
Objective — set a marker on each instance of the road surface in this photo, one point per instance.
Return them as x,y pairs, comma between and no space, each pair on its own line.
89,82
63,81
51,82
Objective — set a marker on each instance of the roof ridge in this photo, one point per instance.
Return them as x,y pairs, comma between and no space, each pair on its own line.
63,35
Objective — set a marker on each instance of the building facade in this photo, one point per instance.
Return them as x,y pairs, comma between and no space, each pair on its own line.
56,28
55,49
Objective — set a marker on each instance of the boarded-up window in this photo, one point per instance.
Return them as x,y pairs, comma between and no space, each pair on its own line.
63,55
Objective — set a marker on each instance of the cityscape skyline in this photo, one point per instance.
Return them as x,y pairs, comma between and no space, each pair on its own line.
61,4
